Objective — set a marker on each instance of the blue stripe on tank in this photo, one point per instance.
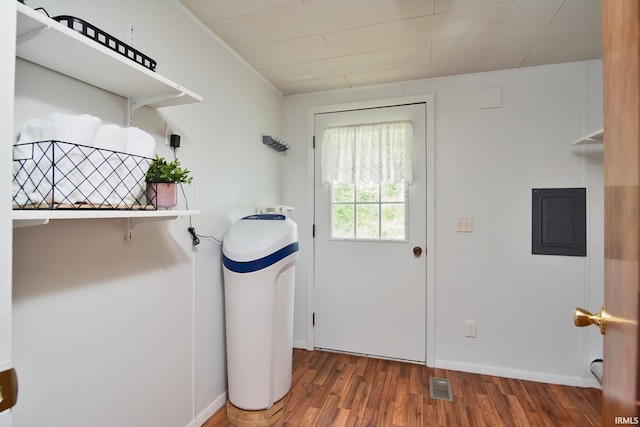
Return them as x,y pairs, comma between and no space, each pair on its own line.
259,264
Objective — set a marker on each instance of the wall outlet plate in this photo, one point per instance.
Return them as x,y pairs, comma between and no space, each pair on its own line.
464,224
470,330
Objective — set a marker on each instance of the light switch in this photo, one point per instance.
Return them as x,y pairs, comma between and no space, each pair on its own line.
464,224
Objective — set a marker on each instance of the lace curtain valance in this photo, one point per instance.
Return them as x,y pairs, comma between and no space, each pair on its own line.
368,153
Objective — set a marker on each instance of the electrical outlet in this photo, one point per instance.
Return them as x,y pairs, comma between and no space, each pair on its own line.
470,328
168,130
464,223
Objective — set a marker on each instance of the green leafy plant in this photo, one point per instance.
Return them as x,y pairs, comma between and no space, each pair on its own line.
167,172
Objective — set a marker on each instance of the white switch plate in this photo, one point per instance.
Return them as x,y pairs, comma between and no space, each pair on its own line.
464,223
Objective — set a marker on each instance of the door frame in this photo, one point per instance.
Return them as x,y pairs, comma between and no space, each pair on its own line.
7,82
428,100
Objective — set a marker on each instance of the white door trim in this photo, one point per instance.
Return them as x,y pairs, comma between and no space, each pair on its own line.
428,100
7,82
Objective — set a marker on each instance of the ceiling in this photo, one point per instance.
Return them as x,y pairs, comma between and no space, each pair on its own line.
305,46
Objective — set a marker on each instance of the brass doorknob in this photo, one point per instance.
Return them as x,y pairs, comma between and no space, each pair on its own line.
417,251
582,317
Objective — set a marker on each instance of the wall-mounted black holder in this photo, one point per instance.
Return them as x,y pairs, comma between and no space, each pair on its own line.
107,40
274,143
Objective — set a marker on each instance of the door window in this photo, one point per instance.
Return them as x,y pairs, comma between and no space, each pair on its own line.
369,211
368,166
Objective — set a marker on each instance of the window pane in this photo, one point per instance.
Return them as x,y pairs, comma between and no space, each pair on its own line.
367,222
393,221
342,225
367,192
342,192
392,191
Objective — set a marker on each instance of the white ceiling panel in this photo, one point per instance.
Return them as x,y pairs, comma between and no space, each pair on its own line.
315,45
216,10
440,69
559,54
450,5
535,12
578,11
483,46
570,34
421,30
384,36
553,37
373,61
313,17
463,24
287,52
319,85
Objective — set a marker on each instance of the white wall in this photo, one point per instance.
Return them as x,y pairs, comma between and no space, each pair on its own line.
487,162
106,333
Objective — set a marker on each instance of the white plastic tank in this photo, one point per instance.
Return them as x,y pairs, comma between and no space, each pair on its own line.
259,254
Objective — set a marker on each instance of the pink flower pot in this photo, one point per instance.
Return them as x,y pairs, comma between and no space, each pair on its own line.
162,195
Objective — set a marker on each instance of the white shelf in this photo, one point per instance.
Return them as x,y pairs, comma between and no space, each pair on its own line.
50,214
596,137
46,42
32,217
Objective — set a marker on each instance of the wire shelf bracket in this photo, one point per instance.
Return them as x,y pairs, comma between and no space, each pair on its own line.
131,223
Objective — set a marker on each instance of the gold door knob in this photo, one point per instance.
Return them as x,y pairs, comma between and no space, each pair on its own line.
417,251
582,317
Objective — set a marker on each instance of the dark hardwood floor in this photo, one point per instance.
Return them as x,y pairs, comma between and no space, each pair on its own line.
331,389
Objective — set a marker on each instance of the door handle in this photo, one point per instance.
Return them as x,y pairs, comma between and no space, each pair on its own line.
8,389
417,251
582,317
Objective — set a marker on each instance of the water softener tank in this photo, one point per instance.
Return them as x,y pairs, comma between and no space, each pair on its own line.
259,257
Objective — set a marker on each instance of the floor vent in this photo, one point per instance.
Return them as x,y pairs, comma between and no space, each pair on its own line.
440,388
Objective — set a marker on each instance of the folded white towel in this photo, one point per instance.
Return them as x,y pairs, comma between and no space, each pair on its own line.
99,166
77,129
134,169
111,137
71,167
60,184
140,143
30,184
34,130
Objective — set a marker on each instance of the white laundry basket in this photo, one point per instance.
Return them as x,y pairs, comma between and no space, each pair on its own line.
259,257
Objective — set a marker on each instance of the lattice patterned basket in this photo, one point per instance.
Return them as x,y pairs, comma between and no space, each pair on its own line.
62,175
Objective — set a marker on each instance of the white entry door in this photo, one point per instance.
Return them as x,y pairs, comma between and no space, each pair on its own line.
370,286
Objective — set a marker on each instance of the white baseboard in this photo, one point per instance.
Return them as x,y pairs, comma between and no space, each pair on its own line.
518,374
300,344
208,412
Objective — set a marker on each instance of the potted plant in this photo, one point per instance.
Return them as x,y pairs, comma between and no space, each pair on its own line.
162,181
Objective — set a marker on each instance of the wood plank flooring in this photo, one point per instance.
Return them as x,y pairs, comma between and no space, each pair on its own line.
331,389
